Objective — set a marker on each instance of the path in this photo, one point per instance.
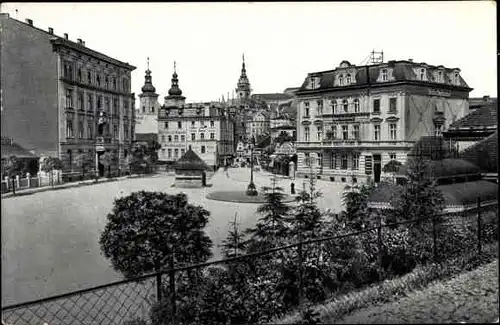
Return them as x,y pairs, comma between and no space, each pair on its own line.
471,297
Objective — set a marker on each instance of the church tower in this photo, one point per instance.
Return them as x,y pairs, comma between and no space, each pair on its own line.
174,98
243,90
148,98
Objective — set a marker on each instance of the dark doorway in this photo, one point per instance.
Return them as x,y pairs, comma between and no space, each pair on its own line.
204,179
377,167
100,165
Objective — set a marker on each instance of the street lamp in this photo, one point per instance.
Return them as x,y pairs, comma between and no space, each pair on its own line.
251,190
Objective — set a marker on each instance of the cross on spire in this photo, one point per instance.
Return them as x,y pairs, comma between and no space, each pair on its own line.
174,66
243,57
148,62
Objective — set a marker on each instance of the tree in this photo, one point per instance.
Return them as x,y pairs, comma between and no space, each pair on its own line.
49,164
147,231
108,159
85,162
12,167
307,218
234,244
355,201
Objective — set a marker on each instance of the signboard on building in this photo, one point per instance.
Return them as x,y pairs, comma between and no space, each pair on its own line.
368,165
441,93
99,148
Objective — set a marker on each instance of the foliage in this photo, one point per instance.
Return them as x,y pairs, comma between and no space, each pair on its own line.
13,166
284,137
108,159
143,156
355,200
234,244
144,229
392,166
85,162
49,164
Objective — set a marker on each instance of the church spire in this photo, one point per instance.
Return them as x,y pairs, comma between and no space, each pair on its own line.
148,87
243,88
174,90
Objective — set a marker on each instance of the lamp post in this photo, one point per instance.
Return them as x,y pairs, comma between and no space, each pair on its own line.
251,190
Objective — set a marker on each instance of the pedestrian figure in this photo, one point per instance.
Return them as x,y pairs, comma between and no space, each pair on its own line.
292,188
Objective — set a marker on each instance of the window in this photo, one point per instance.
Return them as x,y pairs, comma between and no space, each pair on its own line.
306,109
193,136
320,107
212,135
333,161
152,109
98,80
356,105
125,85
355,161
183,151
422,74
306,133
90,104
106,82
345,132
348,79
106,103
169,138
79,101
183,138
334,132
125,153
456,78
334,106
343,162
79,75
341,80
99,102
89,77
69,129
176,153
392,104
176,138
202,149
376,129
320,159
392,156
115,131
440,76
114,83
355,131
169,153
166,125
212,124
384,75
89,130
392,131
307,159
345,105
376,105
437,129
320,133
80,130
193,124
143,109
125,130
202,136
125,107
313,83
115,106
68,71
69,98
163,138
70,159
179,125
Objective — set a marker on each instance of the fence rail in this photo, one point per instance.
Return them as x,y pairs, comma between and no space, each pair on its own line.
122,301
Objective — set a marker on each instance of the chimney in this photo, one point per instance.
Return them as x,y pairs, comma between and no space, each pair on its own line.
83,43
79,41
486,98
30,22
51,30
65,35
411,60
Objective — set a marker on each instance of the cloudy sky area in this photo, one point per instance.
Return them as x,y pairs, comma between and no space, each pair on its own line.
282,42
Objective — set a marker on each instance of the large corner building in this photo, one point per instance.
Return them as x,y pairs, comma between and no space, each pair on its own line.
352,120
61,98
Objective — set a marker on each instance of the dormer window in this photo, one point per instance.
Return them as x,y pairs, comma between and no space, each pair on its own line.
341,80
440,76
384,74
456,78
313,83
422,74
348,79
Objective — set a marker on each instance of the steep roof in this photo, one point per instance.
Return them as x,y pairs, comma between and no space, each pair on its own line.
13,149
190,161
484,154
481,118
433,147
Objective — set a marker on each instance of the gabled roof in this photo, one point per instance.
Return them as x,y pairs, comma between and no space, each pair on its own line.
484,154
14,149
481,118
190,161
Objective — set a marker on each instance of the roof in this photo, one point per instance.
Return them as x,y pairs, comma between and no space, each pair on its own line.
481,118
433,147
146,124
190,161
146,137
275,96
480,102
446,168
264,142
484,154
453,194
364,75
14,149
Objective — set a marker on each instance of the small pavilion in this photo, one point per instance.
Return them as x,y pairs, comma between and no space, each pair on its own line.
190,171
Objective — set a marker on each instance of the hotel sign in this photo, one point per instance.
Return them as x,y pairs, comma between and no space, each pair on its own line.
440,93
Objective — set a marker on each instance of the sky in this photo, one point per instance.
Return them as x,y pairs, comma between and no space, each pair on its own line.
282,42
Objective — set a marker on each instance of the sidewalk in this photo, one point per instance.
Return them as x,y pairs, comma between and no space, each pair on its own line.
33,190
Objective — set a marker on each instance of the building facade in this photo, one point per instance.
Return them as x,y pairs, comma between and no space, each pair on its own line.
206,128
353,120
61,98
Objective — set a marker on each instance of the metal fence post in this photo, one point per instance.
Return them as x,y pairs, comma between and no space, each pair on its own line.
158,286
172,286
434,238
479,225
300,272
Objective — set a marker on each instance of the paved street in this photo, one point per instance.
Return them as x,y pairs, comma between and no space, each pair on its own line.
50,239
471,297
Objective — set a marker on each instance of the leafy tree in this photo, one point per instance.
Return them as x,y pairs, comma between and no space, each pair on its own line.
147,231
49,164
108,159
355,200
85,162
271,228
11,167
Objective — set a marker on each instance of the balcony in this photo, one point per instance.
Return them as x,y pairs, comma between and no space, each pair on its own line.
104,140
341,143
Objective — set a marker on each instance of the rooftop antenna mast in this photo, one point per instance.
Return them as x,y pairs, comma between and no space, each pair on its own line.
376,57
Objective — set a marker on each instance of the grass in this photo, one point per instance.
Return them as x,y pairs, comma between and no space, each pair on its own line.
393,289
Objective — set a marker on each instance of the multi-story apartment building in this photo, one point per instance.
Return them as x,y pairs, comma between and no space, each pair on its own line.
352,120
207,128
61,98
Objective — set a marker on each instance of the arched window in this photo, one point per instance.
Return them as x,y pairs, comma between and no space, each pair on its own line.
152,109
356,105
422,74
456,78
384,74
345,105
348,78
341,80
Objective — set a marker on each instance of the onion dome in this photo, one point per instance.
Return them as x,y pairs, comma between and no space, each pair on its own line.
174,89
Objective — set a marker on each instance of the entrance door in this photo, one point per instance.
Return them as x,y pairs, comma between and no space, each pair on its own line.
377,167
204,179
100,165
